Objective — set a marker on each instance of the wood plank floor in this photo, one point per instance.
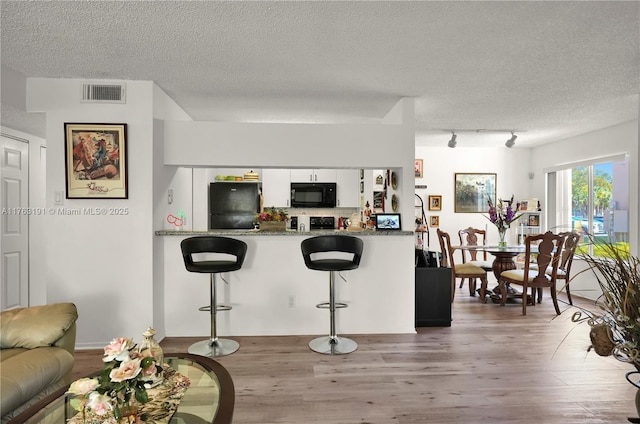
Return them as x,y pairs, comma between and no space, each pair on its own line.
492,365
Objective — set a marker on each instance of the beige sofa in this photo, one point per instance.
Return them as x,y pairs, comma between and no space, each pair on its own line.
36,354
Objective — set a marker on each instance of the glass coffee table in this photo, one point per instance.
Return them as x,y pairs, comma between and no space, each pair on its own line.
209,399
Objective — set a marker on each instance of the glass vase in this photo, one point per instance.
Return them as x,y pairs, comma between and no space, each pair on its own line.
127,413
502,232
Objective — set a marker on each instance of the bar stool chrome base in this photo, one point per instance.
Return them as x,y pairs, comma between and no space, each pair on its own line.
333,346
220,347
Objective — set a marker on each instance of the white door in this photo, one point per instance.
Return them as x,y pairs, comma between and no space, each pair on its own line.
14,223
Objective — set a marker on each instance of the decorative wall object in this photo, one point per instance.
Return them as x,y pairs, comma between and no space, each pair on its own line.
96,161
472,192
435,203
394,203
434,221
419,168
378,201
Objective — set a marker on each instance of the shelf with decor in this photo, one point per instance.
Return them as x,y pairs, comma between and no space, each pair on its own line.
530,223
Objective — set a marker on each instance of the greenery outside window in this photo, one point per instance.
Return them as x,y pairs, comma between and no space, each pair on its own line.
592,198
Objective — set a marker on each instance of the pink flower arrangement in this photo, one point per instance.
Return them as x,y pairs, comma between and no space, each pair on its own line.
127,372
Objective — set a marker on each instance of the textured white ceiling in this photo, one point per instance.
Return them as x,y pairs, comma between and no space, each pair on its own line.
549,69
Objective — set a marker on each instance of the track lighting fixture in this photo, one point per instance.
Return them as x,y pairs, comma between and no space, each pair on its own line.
511,141
452,143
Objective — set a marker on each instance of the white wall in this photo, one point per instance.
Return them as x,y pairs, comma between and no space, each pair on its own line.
619,139
512,167
390,144
165,178
101,263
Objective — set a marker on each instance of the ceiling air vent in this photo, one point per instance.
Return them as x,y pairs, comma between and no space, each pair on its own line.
103,93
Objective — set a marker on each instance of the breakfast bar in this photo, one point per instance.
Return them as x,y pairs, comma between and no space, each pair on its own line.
275,293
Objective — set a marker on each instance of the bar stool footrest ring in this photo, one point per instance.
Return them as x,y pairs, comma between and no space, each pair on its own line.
327,305
218,308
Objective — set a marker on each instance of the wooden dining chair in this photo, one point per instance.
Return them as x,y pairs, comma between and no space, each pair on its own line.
542,252
571,240
463,270
474,237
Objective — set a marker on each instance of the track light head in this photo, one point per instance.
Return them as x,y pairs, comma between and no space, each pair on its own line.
452,143
511,141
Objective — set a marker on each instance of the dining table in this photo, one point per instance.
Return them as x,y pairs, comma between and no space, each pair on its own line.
503,256
503,261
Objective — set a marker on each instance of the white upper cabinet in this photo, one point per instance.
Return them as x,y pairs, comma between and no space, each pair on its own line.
276,187
348,188
313,175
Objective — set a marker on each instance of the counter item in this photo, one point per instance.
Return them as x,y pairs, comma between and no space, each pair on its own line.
233,205
388,221
304,223
321,223
251,176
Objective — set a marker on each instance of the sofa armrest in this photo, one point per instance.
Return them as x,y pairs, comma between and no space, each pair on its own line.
68,340
39,326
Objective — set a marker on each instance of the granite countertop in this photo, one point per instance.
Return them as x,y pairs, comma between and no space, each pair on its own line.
279,233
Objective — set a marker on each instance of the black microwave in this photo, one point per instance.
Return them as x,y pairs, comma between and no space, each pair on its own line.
313,195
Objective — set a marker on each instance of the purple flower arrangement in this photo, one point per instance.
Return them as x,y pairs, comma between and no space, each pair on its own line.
502,216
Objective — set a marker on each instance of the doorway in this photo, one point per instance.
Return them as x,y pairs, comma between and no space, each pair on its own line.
14,222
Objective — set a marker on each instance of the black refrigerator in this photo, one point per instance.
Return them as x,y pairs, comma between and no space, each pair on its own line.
233,205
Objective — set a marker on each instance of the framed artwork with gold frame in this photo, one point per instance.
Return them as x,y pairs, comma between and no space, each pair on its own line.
435,202
96,161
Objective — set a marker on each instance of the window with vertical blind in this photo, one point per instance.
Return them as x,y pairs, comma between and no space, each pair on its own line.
592,198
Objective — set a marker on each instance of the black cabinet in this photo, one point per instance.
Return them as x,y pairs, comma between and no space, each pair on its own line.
433,297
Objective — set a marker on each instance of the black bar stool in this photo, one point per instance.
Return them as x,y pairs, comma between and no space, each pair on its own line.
334,254
225,248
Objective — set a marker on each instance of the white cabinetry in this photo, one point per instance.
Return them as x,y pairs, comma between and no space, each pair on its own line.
348,187
313,175
276,187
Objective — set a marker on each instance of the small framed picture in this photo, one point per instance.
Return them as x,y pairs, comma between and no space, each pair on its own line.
534,220
524,205
435,203
419,168
96,161
434,221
